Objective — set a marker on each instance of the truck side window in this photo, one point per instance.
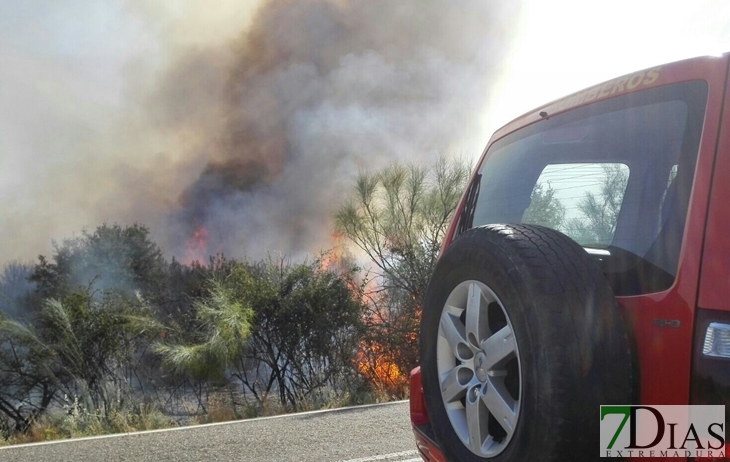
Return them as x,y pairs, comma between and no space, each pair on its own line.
616,176
581,200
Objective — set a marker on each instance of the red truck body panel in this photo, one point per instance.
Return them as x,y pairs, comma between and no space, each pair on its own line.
715,278
662,324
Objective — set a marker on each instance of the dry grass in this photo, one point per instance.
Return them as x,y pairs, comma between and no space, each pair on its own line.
74,421
220,409
36,434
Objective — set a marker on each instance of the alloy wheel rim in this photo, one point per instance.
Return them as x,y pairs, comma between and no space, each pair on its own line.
479,369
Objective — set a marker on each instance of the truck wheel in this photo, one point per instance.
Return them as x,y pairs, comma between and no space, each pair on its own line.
521,342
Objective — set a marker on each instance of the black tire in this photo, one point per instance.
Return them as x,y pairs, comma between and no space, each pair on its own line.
573,348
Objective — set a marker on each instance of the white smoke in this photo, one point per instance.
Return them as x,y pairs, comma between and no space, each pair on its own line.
251,117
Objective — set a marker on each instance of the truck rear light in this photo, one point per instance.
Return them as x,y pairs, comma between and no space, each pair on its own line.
710,366
717,340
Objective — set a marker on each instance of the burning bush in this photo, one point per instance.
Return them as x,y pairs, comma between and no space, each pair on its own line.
398,217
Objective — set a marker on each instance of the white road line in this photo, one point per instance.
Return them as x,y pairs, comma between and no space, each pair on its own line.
216,424
391,456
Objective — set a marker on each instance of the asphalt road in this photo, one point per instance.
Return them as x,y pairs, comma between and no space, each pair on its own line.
378,433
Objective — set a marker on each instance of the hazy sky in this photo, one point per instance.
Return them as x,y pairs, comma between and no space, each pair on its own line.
73,80
93,126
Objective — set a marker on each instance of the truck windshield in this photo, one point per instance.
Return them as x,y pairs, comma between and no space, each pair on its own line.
615,176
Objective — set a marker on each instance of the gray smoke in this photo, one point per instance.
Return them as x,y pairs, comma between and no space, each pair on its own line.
230,136
317,91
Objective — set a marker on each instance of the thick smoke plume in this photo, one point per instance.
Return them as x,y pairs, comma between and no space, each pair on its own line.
242,141
318,90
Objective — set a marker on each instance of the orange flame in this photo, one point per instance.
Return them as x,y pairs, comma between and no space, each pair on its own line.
332,260
378,367
373,360
197,245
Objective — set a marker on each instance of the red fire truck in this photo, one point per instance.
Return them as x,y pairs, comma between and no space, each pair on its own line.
588,264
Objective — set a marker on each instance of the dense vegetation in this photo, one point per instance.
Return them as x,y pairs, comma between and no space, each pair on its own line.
108,325
107,335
